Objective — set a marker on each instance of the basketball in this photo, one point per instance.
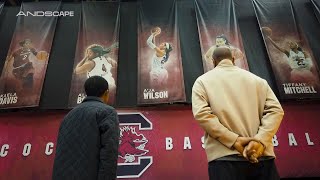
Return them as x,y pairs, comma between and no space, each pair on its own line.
266,31
42,55
156,29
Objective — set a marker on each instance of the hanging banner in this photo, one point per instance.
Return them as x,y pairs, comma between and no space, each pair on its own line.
316,8
97,48
160,73
218,26
292,60
27,58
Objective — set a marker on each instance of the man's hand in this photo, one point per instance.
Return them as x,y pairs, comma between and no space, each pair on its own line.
253,151
241,143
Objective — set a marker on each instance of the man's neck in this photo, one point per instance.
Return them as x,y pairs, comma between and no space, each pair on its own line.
224,60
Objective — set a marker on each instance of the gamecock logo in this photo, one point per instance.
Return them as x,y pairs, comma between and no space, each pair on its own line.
133,156
131,144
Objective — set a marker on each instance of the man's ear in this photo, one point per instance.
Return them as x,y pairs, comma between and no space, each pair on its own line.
106,92
106,96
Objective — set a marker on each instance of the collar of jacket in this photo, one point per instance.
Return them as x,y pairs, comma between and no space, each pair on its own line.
92,98
225,63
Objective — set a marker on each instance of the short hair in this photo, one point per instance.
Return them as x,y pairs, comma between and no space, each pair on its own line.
223,37
96,86
222,52
21,43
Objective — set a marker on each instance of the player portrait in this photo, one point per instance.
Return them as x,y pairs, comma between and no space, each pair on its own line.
96,62
94,59
160,56
20,65
96,49
222,40
160,72
301,67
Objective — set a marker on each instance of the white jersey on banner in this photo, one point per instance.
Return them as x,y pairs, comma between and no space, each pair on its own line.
299,61
102,68
158,74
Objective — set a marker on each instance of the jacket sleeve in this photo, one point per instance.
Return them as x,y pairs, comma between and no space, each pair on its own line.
202,112
109,133
271,119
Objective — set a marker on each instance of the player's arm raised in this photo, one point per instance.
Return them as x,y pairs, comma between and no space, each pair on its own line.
278,47
237,53
152,45
84,66
208,55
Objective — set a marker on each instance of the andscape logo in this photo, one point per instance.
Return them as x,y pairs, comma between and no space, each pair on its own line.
46,13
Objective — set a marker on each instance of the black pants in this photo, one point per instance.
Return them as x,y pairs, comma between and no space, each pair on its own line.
243,170
27,82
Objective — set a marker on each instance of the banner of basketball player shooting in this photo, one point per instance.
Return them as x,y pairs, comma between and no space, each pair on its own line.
292,60
27,58
218,26
160,74
97,48
316,8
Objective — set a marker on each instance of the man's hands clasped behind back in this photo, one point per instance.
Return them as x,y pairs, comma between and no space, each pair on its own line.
249,148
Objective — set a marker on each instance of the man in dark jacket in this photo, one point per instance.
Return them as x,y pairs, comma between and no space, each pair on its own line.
88,139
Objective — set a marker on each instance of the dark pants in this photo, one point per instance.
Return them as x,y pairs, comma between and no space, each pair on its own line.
27,82
25,74
243,170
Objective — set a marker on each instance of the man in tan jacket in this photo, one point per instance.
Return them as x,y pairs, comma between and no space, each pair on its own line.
240,114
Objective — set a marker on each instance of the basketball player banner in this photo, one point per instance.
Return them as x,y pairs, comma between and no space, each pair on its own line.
292,60
316,8
97,48
27,58
218,26
160,73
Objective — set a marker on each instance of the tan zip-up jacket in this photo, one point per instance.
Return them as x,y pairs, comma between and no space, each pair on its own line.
228,102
